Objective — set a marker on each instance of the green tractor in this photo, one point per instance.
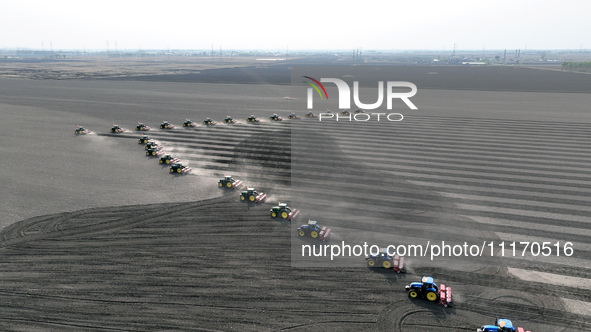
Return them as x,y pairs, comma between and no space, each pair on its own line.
284,212
251,195
229,182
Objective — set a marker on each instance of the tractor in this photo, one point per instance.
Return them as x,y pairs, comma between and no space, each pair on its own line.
179,168
275,117
359,110
189,123
81,131
427,289
345,112
229,119
229,182
310,115
209,122
168,159
145,140
501,325
153,145
141,127
154,152
252,118
292,116
313,230
251,195
383,259
284,212
166,125
116,129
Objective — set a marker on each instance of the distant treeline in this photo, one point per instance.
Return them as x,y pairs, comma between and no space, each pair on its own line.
577,66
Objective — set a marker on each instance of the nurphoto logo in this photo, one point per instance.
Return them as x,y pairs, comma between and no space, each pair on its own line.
344,92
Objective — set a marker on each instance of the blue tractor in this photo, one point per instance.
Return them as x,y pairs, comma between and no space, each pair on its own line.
427,289
501,325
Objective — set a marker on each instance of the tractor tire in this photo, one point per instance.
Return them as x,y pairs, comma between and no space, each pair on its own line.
242,198
171,170
302,233
229,184
252,198
273,214
220,184
431,296
112,130
413,294
284,215
313,234
386,264
147,153
168,161
178,170
371,263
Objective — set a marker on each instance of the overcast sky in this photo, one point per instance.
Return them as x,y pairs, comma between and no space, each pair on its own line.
302,24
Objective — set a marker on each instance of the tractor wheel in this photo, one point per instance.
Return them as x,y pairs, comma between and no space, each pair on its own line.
313,234
147,153
220,184
413,294
386,264
161,161
284,215
178,170
112,130
431,296
302,233
167,161
273,214
371,263
251,198
242,198
171,170
229,184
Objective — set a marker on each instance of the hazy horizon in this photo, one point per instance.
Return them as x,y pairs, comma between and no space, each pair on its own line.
304,25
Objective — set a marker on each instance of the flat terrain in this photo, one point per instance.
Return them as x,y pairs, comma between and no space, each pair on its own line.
108,240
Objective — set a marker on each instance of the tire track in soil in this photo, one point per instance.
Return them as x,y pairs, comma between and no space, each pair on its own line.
174,261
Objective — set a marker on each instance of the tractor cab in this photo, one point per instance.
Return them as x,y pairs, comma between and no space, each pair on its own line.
428,283
501,325
313,224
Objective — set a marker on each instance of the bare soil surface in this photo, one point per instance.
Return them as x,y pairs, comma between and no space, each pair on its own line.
146,250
